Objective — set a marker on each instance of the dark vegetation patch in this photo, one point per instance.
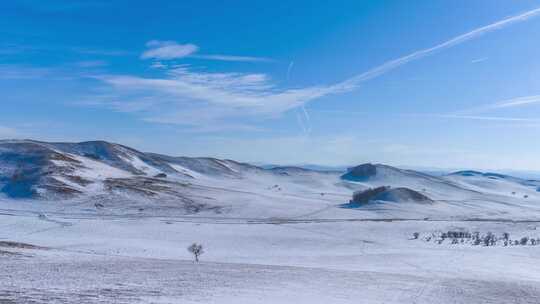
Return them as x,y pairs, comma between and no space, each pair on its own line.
62,157
78,180
360,173
8,253
389,194
464,237
403,194
363,197
61,190
143,186
30,165
165,194
19,245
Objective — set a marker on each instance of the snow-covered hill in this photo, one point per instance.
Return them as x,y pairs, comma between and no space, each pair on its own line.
105,177
99,214
495,183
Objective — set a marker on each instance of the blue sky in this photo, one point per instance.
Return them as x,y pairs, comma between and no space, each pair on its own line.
419,83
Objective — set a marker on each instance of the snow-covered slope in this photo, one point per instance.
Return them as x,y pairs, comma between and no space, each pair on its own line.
119,220
103,177
376,175
495,183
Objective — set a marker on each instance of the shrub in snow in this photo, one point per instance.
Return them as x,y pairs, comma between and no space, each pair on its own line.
360,197
197,250
476,239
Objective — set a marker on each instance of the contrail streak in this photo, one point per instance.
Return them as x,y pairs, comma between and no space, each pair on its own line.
351,83
305,123
289,69
308,119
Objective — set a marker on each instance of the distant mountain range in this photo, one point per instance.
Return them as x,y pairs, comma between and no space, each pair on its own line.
100,174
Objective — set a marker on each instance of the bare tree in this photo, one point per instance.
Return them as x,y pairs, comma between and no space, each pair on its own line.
197,250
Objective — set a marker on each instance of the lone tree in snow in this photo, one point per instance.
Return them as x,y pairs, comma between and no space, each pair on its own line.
197,250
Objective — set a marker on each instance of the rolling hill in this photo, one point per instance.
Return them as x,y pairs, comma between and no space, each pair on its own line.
103,177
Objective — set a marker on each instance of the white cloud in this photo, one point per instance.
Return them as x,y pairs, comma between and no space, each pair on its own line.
247,92
183,94
478,60
390,65
158,65
201,99
92,51
167,50
517,102
8,71
492,118
533,121
232,58
504,104
31,73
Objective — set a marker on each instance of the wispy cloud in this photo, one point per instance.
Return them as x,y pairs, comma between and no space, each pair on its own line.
158,65
24,72
491,118
239,92
393,64
168,50
517,102
184,92
8,71
232,58
478,60
95,51
289,69
17,48
436,115
504,104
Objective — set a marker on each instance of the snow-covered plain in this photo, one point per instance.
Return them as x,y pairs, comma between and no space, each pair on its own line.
282,235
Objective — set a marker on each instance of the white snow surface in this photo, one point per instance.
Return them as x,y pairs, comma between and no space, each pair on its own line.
286,235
